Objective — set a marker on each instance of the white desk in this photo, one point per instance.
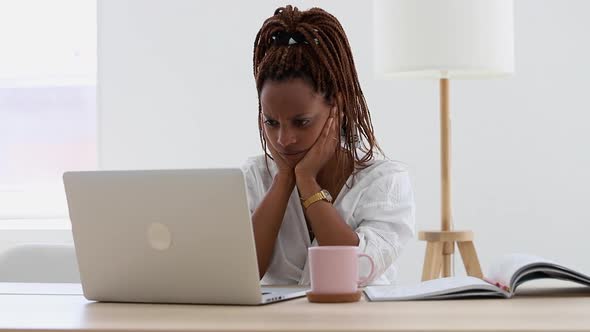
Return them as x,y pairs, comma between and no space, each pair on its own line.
528,311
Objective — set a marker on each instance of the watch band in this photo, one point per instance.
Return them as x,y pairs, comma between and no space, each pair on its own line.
322,195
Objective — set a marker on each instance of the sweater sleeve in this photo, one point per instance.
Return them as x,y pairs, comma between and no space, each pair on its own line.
253,184
386,220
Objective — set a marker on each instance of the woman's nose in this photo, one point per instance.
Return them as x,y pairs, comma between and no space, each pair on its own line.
286,137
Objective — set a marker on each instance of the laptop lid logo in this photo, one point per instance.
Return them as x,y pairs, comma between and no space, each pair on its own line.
159,236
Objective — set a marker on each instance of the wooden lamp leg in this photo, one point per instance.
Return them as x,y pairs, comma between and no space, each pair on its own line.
447,254
441,244
470,260
432,261
445,174
437,241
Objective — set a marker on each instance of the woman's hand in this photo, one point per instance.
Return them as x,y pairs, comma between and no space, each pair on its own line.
320,153
284,166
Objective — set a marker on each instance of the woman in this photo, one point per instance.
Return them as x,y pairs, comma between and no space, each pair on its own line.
320,181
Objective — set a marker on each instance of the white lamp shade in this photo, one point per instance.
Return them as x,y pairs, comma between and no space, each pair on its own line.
443,38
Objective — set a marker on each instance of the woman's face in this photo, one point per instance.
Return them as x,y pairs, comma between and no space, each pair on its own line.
293,117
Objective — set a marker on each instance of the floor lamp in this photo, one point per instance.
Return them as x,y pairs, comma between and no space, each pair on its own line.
444,39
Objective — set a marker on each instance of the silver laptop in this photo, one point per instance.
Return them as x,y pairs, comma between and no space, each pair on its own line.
166,236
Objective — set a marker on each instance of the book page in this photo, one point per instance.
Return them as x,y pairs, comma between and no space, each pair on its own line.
503,270
515,269
436,288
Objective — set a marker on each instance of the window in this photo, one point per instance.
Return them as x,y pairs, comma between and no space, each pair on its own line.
47,103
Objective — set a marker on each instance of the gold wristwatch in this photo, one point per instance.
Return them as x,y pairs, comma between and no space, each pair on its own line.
322,195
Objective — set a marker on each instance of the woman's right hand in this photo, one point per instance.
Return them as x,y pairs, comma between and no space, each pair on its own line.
285,167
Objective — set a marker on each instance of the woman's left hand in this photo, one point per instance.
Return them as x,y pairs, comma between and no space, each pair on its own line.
322,150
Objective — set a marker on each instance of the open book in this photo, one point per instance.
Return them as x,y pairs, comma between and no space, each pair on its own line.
502,280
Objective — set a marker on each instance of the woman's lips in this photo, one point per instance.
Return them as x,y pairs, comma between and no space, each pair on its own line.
295,155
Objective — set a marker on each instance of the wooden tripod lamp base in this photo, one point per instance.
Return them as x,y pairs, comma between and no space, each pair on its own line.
440,248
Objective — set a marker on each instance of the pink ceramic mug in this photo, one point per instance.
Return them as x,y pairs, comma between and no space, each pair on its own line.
335,269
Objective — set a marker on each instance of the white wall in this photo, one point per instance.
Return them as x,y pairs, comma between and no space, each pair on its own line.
177,91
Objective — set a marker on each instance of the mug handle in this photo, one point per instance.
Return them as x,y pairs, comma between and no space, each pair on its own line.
370,276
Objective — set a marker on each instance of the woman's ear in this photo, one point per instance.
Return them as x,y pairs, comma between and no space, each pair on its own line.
340,109
339,100
336,102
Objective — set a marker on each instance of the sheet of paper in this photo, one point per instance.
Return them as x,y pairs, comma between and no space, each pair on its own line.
428,288
504,268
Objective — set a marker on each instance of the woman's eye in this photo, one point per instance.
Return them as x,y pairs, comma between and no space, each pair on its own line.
302,123
271,123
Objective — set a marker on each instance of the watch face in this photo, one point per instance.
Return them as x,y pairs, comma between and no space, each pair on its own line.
327,195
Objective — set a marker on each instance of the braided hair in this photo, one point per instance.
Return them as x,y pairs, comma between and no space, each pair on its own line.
311,45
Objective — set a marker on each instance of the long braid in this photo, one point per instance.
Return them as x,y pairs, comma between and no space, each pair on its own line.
325,61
